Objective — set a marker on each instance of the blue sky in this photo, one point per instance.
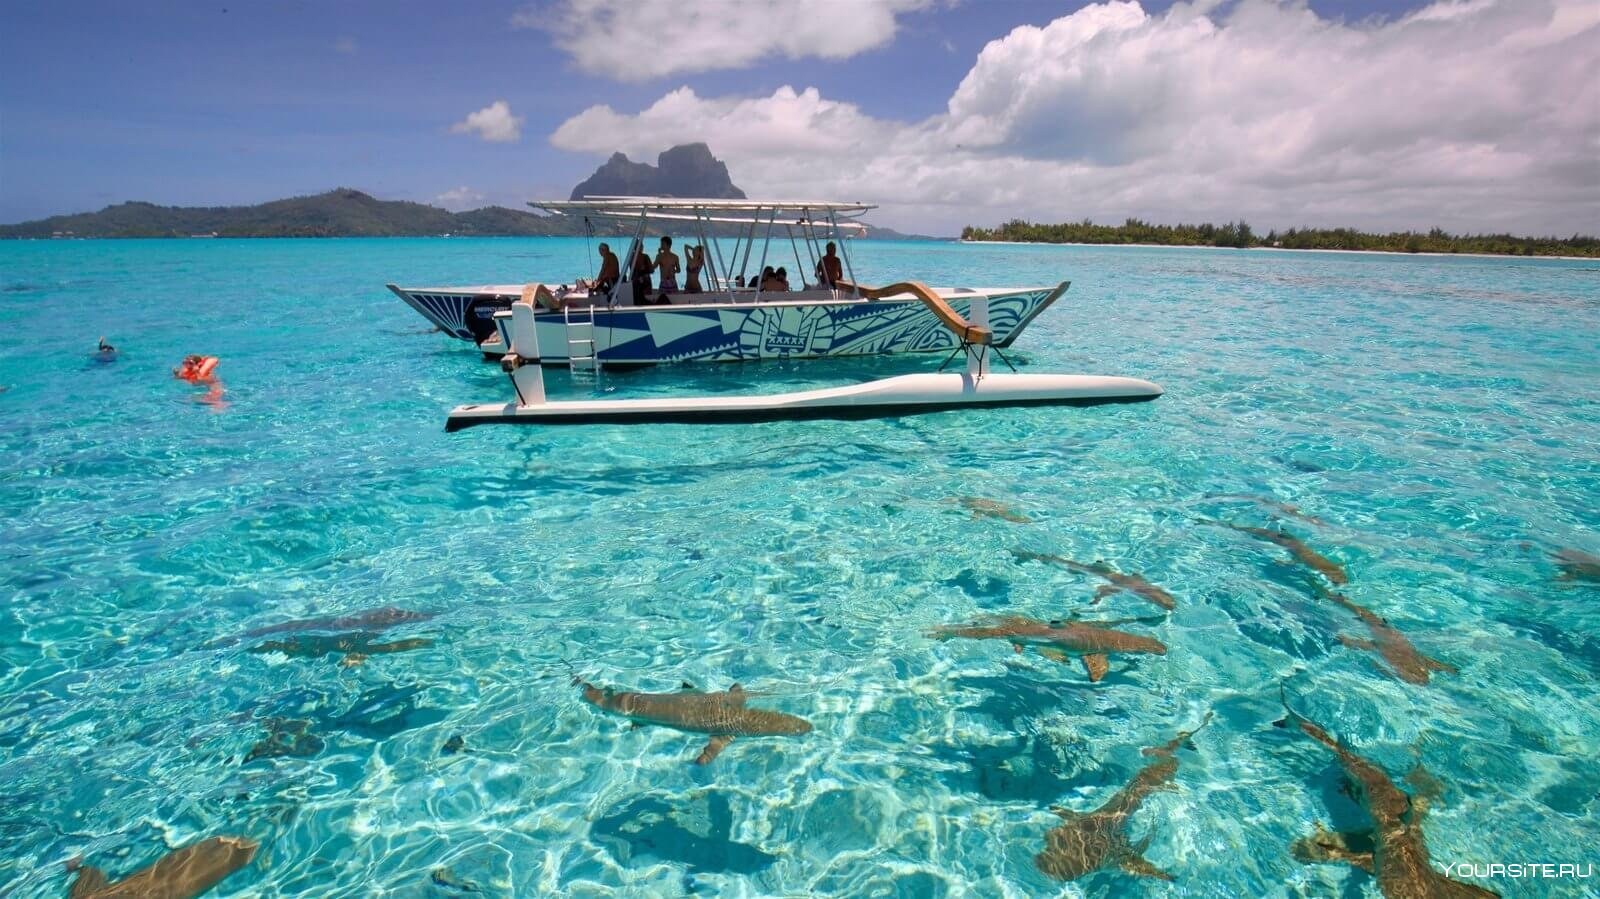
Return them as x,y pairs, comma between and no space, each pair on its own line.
228,103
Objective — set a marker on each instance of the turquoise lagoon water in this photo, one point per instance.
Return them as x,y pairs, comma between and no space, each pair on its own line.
1438,416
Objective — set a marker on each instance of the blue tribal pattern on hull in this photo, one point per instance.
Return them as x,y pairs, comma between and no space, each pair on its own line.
644,335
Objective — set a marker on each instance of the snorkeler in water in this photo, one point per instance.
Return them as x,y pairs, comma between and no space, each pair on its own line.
104,353
197,369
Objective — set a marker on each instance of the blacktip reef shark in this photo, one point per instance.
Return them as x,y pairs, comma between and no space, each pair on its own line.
180,874
354,647
722,715
1577,565
1086,842
1394,851
1391,645
1057,640
989,508
1132,583
371,619
1302,553
1278,506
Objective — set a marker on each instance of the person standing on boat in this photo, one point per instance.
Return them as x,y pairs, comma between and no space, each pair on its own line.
667,264
610,271
640,278
695,259
829,267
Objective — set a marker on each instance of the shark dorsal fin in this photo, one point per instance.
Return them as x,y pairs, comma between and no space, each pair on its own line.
737,688
90,880
685,685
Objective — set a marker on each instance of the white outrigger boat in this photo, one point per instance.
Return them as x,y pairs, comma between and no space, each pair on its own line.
902,395
728,321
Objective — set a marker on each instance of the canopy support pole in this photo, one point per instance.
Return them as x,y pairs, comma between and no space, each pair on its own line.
765,245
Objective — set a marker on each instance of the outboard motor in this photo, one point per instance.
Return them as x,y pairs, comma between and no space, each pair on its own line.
479,317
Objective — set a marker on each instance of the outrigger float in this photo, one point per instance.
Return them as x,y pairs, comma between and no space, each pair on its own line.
887,397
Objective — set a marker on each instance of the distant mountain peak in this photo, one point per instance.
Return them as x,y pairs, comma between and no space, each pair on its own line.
687,170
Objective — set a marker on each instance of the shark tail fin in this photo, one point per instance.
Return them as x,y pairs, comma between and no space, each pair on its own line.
1306,724
1181,739
1442,667
90,880
1134,862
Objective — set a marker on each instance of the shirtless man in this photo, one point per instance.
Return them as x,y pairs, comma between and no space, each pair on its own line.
667,265
832,271
610,271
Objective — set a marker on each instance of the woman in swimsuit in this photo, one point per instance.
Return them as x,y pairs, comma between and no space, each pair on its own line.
696,258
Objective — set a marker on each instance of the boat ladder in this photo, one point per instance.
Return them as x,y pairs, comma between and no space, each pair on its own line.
581,354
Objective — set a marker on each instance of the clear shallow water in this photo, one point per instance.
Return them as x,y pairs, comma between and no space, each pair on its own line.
1439,416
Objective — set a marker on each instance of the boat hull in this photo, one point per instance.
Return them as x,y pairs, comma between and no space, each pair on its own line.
724,332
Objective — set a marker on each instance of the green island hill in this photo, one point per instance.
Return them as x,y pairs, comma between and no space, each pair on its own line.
1239,234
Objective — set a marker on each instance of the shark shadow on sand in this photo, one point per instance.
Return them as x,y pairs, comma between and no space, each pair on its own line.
697,836
376,715
1394,850
1058,640
723,716
1087,842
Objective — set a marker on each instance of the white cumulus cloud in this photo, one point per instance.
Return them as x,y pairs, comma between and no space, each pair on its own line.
636,40
493,123
460,198
1481,115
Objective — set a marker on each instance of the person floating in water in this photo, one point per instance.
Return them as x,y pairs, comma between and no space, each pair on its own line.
105,353
197,369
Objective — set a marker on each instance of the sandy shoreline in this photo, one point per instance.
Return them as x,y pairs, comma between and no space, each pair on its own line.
1169,246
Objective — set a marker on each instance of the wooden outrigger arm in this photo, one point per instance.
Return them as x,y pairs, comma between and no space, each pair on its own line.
965,331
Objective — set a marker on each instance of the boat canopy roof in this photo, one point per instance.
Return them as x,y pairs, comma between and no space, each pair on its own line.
689,208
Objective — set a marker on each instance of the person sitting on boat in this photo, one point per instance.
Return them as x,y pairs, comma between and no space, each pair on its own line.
829,270
667,264
782,277
695,259
770,282
610,271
